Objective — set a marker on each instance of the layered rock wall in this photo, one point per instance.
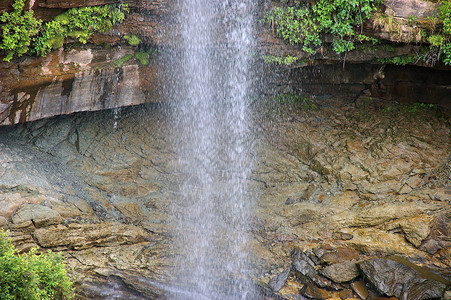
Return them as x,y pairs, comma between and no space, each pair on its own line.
90,77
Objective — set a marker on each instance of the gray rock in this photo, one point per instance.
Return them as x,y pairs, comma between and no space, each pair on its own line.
278,281
306,270
40,215
396,279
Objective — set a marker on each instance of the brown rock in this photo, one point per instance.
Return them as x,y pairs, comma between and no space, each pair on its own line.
339,255
312,291
342,236
416,229
360,289
82,236
341,272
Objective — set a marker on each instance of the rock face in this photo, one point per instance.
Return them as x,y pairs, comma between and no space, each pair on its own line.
67,82
366,184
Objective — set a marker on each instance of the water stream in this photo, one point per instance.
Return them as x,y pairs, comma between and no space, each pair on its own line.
210,111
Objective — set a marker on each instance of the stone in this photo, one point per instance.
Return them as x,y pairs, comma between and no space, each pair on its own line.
393,278
40,215
431,246
291,289
417,228
312,291
82,236
360,289
339,255
305,269
278,281
342,235
341,272
3,221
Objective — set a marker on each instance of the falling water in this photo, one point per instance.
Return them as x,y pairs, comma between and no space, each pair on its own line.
210,112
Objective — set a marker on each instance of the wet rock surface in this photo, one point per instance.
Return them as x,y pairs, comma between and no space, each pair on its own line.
102,188
92,77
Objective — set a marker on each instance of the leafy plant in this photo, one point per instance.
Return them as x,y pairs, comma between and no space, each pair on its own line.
119,62
398,60
143,57
445,48
79,24
297,26
132,40
300,24
18,30
22,33
341,17
32,276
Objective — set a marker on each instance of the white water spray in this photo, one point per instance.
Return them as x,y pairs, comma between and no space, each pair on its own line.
211,112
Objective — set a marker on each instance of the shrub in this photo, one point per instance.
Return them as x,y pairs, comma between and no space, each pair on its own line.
32,276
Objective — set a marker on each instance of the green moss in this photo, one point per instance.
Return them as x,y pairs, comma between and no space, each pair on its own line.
295,100
120,62
143,57
286,60
399,60
132,40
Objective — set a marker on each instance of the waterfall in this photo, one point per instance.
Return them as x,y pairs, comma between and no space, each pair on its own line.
210,111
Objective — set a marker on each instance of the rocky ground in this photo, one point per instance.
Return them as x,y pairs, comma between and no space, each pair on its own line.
354,198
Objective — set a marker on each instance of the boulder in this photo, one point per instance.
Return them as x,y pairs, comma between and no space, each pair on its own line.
341,272
39,215
393,278
82,236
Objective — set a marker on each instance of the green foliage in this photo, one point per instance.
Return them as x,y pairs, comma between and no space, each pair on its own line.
22,33
302,25
143,57
287,60
411,108
297,26
132,40
31,276
445,47
341,17
79,24
445,10
295,101
18,30
119,62
399,60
